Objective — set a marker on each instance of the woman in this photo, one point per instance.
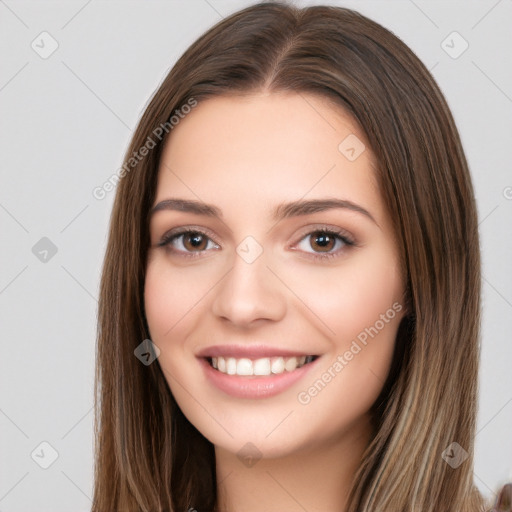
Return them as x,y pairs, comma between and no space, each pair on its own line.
289,308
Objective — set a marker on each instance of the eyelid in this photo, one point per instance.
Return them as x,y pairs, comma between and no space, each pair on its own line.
315,228
183,230
167,239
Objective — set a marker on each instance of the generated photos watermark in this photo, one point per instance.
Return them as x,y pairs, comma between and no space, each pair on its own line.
159,133
305,397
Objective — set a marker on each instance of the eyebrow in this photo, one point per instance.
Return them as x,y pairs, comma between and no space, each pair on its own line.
282,211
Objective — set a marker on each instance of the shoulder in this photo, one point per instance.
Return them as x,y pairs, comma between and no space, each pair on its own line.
504,499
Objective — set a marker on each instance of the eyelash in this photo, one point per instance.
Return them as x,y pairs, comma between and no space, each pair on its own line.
339,235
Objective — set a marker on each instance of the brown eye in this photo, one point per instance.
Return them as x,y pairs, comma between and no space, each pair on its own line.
194,241
188,242
322,242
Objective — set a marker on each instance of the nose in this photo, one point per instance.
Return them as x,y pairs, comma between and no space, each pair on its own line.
248,294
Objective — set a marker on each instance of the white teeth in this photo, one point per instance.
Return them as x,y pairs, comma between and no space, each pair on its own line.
231,366
244,367
290,364
278,365
263,366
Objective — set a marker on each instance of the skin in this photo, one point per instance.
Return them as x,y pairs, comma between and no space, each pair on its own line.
245,155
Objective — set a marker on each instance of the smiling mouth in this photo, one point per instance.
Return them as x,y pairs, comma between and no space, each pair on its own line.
264,366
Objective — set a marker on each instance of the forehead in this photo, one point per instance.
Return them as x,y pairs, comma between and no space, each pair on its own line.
265,148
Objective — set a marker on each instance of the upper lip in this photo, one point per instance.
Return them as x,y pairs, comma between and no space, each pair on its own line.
249,351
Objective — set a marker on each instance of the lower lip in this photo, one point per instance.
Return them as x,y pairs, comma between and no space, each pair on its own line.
254,386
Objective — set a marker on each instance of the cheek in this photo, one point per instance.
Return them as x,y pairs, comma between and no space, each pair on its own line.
358,308
170,301
365,322
161,302
350,298
170,297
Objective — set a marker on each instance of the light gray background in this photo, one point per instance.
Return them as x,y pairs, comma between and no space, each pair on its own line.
66,121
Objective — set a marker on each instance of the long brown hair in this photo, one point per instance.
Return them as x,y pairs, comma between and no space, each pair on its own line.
148,456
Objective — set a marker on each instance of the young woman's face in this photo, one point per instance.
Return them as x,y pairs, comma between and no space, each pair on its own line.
271,242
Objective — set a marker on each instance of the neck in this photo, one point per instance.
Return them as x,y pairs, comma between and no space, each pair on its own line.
315,478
